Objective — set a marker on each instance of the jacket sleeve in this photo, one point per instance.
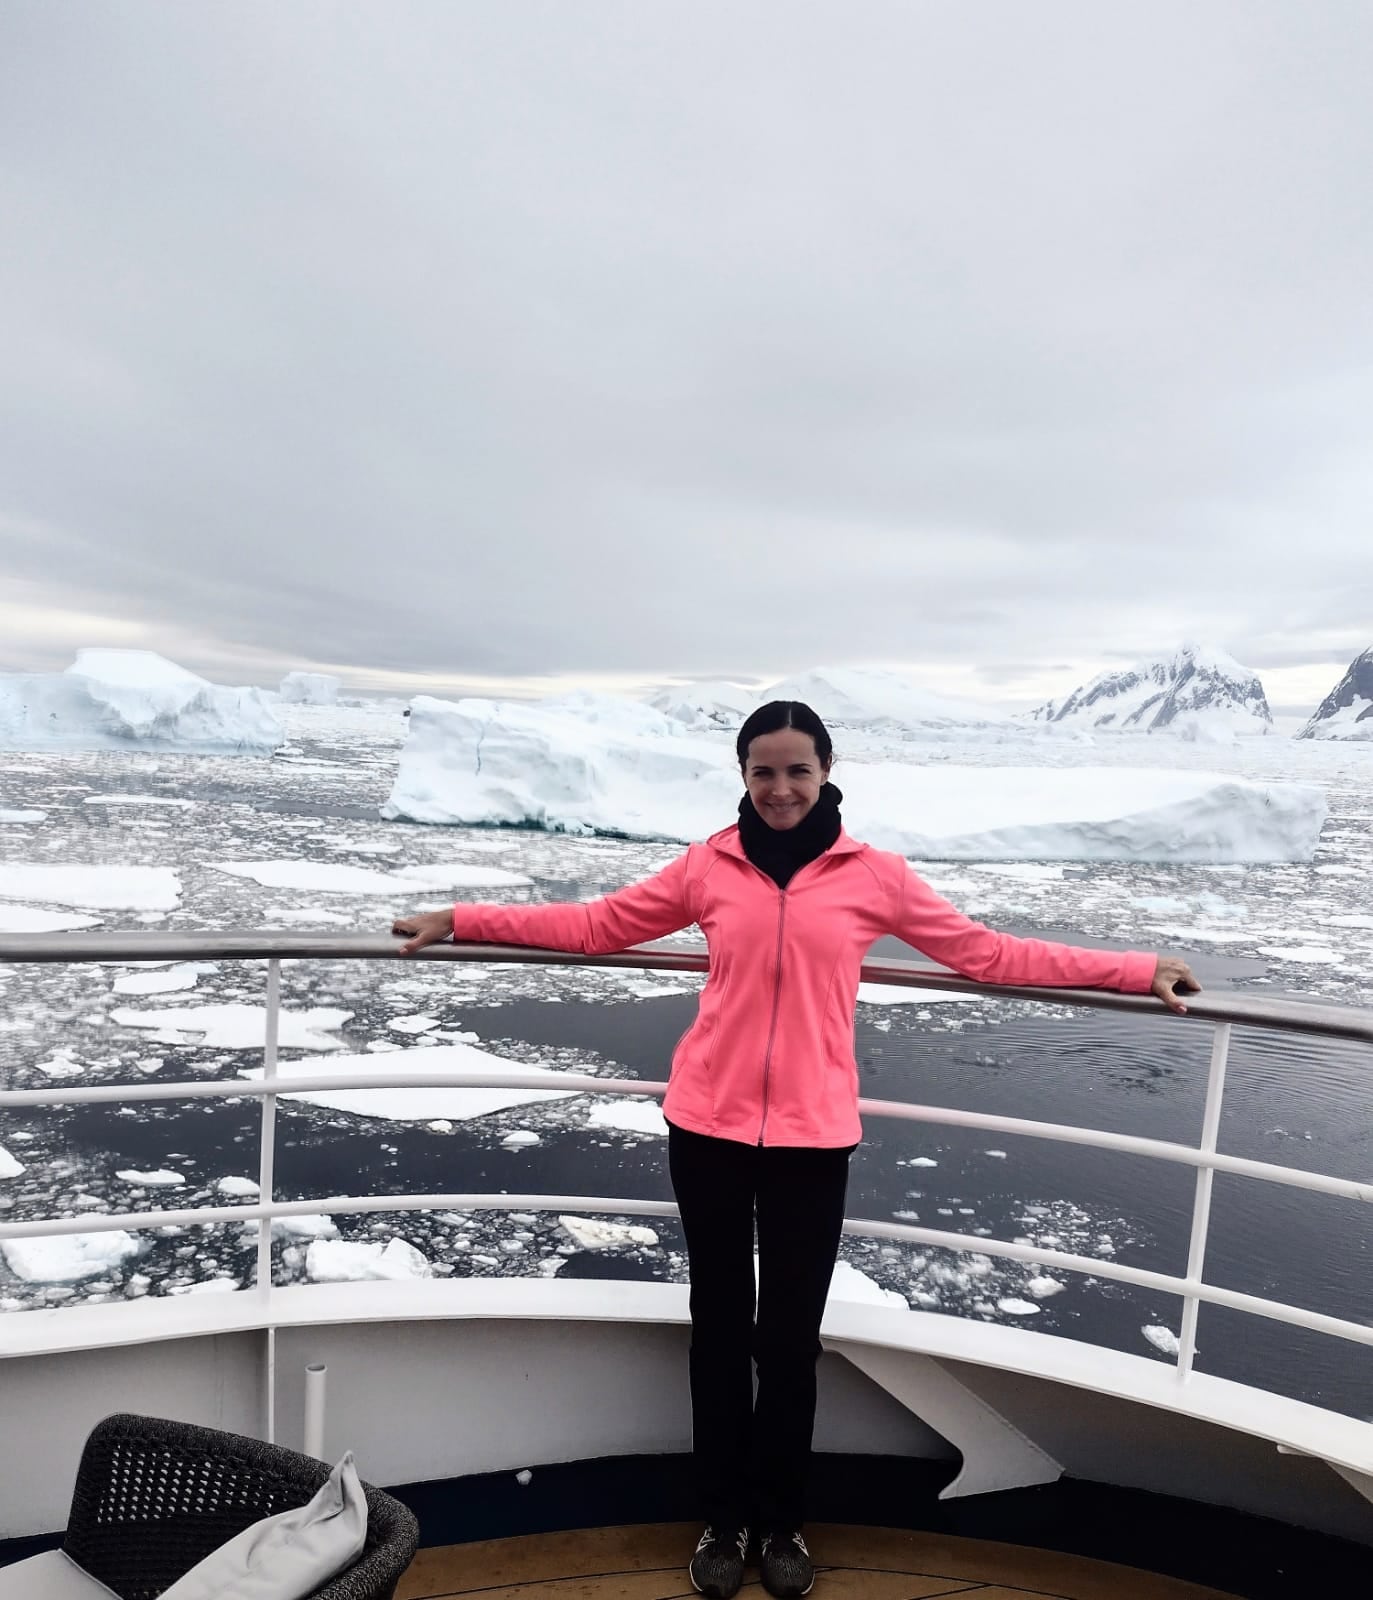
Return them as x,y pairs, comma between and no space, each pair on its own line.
646,910
940,930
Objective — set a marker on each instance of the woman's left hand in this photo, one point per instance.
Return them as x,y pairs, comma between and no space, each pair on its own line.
1174,975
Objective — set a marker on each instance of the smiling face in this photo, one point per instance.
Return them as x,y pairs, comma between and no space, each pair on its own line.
783,776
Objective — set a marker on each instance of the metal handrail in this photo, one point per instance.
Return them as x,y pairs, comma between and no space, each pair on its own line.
1341,1022
1221,1012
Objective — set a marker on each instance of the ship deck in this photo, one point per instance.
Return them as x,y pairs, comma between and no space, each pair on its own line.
649,1563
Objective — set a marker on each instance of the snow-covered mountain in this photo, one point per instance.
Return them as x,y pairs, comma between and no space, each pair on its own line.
878,697
1198,692
1347,711
707,705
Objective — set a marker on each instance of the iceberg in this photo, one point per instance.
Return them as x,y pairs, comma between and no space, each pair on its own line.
626,769
484,762
310,689
118,699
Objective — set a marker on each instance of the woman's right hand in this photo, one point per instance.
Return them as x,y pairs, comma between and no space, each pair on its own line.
425,927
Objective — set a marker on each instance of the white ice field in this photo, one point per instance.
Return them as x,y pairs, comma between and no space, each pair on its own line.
161,840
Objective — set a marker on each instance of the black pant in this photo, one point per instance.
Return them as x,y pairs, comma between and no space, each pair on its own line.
751,1456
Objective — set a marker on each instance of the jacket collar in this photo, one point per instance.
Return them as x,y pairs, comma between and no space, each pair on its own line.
728,843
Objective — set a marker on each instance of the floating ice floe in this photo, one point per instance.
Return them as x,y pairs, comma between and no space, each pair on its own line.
309,917
62,1064
896,994
1013,1307
26,919
9,1167
344,1261
68,1258
238,1188
630,1114
857,1288
413,1025
22,816
1162,1338
237,1027
424,1104
117,699
521,1139
482,761
160,1179
1306,954
181,975
138,800
592,1233
96,888
336,877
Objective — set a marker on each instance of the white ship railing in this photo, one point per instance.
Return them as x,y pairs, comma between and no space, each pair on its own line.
1218,1013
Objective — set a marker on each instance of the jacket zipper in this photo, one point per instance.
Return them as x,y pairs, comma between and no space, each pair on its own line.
776,1004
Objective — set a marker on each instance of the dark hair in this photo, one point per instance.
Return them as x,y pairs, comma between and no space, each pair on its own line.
778,714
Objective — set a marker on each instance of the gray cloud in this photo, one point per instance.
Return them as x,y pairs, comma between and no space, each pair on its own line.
445,339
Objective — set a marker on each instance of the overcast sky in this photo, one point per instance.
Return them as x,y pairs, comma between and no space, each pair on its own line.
440,343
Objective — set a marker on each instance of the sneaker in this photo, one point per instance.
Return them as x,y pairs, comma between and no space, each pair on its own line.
785,1565
717,1568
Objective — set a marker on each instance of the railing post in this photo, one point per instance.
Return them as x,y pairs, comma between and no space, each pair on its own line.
1201,1207
267,1147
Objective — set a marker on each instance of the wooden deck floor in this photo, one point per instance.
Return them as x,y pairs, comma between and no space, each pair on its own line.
649,1563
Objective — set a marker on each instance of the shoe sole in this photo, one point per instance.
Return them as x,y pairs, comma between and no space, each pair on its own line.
717,1594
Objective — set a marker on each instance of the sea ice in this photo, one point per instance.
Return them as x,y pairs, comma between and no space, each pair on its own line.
632,1115
95,888
415,1024
423,1104
62,1064
348,1261
137,800
1161,1338
238,1188
25,919
856,1287
161,1179
22,816
1017,1308
593,1233
896,994
117,699
1307,954
183,975
9,1167
336,877
67,1258
238,1027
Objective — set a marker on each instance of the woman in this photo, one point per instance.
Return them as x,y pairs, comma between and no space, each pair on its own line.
762,1104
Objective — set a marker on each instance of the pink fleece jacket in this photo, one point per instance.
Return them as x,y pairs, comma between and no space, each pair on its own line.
769,1059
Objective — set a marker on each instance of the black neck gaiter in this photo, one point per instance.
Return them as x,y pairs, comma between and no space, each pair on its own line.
782,852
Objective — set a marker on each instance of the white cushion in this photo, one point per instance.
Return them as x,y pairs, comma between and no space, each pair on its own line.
288,1556
51,1576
